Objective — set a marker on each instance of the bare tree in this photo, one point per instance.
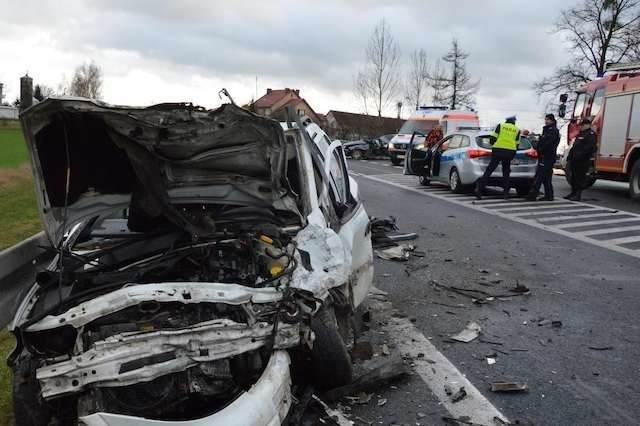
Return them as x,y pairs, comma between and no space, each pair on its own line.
454,87
378,83
418,78
86,81
361,90
598,32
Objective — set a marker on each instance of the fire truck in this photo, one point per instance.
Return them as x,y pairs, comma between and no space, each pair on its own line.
612,102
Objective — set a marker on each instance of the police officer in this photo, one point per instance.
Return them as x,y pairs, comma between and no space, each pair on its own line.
579,159
504,148
547,146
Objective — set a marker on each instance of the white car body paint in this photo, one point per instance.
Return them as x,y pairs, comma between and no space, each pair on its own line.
265,404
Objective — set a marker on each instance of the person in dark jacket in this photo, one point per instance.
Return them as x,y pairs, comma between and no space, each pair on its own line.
579,159
547,146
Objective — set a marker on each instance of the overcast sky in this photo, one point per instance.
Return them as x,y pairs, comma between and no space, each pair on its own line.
159,51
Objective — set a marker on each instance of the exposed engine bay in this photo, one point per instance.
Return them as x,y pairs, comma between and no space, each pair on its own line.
168,343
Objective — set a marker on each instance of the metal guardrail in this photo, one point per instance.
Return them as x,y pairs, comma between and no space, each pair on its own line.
18,266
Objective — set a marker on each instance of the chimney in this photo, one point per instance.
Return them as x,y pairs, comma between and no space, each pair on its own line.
297,92
268,91
26,92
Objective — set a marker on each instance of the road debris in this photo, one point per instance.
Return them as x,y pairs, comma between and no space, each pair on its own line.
362,398
385,350
335,415
399,253
382,402
378,372
470,332
362,350
600,348
459,396
509,387
383,233
491,360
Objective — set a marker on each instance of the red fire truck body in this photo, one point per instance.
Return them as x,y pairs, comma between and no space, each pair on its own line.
613,104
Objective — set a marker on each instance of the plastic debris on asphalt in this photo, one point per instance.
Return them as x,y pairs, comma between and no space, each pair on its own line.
470,332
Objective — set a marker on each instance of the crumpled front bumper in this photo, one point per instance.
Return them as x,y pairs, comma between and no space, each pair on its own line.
266,403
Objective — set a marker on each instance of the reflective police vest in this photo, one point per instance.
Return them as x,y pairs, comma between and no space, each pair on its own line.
506,139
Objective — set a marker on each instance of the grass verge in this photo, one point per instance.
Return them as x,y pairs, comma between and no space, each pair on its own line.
19,219
6,409
13,150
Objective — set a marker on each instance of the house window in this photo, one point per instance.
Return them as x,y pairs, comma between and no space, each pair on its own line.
301,112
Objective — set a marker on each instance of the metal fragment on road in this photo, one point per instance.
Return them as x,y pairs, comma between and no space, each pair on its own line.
459,396
470,332
509,387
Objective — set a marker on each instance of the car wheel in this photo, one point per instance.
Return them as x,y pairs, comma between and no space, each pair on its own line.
329,357
28,408
523,190
454,182
634,181
424,181
396,161
357,155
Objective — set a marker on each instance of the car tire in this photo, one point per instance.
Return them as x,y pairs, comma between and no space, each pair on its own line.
455,184
357,155
524,189
634,181
424,181
28,409
329,357
396,161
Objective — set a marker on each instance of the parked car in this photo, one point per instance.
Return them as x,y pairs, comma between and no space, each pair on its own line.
364,148
461,158
199,254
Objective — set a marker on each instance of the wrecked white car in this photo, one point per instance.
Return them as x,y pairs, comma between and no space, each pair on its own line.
205,260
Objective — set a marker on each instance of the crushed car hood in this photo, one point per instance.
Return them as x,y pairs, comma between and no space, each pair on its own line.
91,159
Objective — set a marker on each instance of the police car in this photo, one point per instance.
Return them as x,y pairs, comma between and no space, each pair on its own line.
461,158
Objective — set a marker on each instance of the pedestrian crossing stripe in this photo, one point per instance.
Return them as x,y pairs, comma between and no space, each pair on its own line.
560,216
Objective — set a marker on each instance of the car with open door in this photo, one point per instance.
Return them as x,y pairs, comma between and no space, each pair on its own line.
200,256
461,158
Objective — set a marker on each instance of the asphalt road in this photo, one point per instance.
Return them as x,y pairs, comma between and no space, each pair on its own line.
583,369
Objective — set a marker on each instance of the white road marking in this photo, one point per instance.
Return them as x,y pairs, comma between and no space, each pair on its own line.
410,183
540,209
562,214
436,370
609,230
624,240
600,222
442,372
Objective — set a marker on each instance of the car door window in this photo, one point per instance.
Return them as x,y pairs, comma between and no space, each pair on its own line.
465,141
455,142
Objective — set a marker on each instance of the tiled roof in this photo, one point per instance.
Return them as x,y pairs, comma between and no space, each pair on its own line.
272,97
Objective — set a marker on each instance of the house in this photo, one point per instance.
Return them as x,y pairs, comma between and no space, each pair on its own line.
274,103
349,126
